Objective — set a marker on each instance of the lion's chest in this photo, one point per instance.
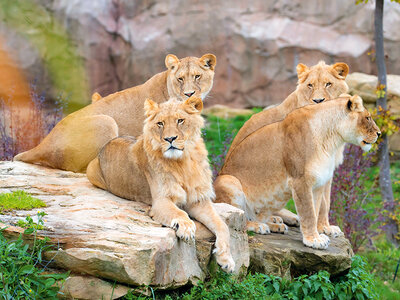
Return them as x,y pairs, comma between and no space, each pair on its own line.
322,170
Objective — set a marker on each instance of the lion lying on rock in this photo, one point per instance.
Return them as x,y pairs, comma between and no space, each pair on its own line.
169,165
316,84
294,158
77,139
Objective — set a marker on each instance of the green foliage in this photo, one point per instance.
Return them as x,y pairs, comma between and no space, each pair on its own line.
357,284
21,268
19,200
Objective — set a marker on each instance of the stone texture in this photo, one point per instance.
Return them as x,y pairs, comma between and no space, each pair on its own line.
108,237
258,43
286,256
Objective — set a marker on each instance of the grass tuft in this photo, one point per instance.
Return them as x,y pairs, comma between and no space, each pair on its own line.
19,200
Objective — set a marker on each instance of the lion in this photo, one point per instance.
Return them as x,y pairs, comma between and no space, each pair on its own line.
77,139
300,162
316,84
96,97
169,165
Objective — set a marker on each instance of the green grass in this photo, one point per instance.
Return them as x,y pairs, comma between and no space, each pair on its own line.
19,200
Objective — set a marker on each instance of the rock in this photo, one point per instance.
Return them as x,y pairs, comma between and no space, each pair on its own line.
258,43
365,86
89,287
225,112
108,237
286,256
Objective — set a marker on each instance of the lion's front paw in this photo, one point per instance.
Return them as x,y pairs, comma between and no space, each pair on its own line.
333,231
185,228
224,257
275,224
257,227
318,241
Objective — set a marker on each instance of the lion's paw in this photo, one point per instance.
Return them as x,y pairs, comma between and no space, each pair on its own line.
333,231
223,256
276,225
319,241
292,220
185,228
257,227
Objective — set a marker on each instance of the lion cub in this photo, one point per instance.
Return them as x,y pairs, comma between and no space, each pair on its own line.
294,158
169,165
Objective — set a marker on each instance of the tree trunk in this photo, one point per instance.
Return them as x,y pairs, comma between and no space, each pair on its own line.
385,181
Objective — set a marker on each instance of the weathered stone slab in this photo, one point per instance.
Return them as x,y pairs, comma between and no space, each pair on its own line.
285,255
108,237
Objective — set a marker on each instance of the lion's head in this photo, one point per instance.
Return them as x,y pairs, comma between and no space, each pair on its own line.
173,127
359,128
190,76
321,82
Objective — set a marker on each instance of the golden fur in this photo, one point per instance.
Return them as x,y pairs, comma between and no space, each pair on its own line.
301,156
77,139
169,165
318,82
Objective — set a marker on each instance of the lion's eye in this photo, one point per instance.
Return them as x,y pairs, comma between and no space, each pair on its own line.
160,124
328,84
310,86
180,79
368,118
180,121
197,76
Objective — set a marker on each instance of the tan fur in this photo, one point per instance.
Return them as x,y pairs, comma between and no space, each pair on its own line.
318,77
77,139
294,158
96,97
178,179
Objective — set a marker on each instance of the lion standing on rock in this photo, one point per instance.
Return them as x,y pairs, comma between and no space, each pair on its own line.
301,157
77,139
169,165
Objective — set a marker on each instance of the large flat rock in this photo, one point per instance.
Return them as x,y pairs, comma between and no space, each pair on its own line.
285,255
108,237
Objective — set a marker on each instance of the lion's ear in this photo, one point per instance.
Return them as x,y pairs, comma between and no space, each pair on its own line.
208,61
301,72
150,107
355,103
171,61
193,105
341,70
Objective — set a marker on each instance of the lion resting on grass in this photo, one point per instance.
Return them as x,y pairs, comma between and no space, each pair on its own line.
316,84
294,158
169,165
77,139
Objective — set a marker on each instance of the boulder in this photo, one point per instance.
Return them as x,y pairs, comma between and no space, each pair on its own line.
111,238
285,255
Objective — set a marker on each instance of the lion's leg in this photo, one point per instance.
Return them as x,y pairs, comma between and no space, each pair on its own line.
205,213
94,174
73,144
304,201
228,189
288,217
323,216
168,214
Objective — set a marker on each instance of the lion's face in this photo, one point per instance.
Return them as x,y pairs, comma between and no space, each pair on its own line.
190,76
173,126
321,82
360,129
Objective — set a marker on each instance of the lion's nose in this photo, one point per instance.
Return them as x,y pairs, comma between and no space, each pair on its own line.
170,139
378,133
190,94
319,100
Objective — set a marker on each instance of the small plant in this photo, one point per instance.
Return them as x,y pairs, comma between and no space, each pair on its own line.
22,269
349,195
19,200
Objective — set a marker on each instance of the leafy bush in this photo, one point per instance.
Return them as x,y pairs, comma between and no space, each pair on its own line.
19,200
22,269
357,284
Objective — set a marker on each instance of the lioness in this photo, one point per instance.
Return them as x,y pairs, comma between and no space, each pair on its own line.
77,139
316,84
168,164
294,157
